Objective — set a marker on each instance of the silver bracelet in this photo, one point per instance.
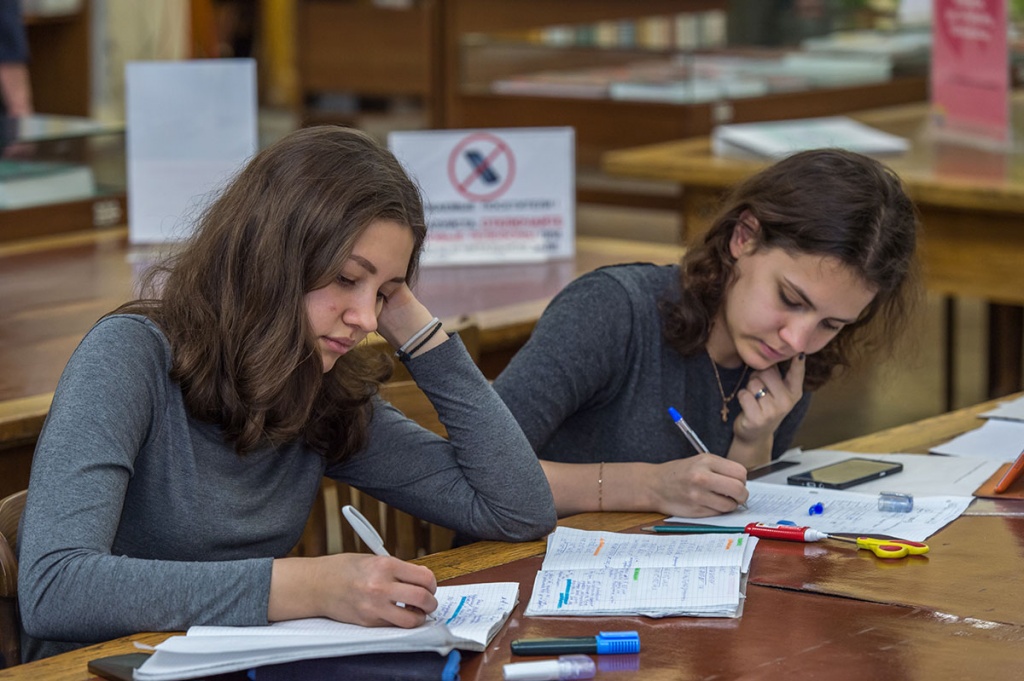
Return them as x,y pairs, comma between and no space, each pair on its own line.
406,355
404,350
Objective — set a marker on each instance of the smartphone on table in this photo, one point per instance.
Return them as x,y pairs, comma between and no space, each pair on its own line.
846,473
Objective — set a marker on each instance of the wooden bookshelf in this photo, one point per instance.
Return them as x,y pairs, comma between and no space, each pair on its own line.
606,124
353,46
60,62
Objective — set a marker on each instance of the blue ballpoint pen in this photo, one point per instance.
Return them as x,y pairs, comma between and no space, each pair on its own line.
691,435
693,438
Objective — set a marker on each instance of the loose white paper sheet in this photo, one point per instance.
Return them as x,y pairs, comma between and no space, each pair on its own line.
1000,440
191,127
844,512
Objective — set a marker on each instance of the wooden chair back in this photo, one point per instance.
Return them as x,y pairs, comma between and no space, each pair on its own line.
404,536
21,421
11,508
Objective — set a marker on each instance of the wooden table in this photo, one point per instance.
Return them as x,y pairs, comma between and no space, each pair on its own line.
812,610
971,204
53,290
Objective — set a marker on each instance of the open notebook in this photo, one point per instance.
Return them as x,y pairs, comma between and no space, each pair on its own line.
608,573
467,618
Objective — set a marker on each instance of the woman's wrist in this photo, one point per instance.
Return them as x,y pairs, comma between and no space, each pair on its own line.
292,589
628,486
418,340
753,453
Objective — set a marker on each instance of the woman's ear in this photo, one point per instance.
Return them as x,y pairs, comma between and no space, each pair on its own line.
744,235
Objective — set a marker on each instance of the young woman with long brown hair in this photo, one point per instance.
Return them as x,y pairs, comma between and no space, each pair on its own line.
809,266
190,430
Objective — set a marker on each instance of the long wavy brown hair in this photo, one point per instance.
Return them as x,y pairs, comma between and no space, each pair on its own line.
826,202
231,301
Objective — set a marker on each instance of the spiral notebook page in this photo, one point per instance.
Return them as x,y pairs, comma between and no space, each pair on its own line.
584,549
468,616
608,573
469,612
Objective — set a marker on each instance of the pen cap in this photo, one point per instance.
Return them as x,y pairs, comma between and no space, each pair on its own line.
895,502
609,642
564,668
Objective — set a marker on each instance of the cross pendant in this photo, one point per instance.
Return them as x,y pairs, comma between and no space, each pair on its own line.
725,413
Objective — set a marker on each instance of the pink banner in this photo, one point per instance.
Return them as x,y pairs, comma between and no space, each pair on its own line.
970,76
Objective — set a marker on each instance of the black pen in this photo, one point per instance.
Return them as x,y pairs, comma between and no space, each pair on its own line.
605,643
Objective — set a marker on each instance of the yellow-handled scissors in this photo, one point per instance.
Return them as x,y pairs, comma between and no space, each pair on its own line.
887,548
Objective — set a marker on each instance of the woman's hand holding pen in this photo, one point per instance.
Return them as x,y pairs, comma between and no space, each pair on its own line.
697,486
766,400
352,587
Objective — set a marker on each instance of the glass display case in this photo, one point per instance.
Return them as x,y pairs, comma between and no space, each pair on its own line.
60,174
647,72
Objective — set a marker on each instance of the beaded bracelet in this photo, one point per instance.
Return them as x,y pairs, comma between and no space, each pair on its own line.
405,353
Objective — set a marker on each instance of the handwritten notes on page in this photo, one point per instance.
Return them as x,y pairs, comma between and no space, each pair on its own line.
844,511
607,573
467,617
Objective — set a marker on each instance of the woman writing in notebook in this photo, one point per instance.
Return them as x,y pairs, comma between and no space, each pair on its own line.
190,431
809,265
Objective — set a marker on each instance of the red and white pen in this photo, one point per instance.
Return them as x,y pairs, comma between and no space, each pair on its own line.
759,530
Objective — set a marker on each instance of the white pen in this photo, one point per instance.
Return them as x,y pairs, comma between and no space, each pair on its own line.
693,438
367,532
370,536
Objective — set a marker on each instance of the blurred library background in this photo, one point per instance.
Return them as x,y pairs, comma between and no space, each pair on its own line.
622,73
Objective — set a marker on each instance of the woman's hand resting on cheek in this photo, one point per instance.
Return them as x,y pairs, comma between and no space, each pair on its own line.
767,399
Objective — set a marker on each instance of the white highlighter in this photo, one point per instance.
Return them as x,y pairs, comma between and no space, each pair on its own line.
565,668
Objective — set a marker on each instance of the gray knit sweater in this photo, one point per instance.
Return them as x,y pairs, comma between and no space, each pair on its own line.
596,378
140,518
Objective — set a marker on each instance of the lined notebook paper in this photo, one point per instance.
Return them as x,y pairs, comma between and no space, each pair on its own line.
608,573
467,618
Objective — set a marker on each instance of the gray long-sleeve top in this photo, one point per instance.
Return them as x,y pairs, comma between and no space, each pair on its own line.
596,378
141,518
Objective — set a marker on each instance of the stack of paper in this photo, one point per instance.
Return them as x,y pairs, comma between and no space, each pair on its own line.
607,573
777,139
1000,439
467,618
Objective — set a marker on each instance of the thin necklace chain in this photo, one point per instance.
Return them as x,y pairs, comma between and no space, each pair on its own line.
721,391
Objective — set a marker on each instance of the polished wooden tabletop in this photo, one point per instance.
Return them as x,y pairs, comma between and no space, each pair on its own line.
812,610
971,199
53,290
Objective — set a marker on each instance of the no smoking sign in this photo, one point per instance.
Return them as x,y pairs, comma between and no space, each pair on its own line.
496,195
481,167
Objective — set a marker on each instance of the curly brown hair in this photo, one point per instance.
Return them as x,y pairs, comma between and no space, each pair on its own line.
231,301
826,202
